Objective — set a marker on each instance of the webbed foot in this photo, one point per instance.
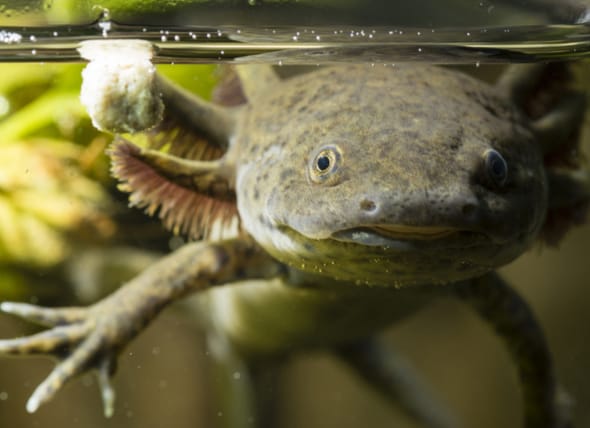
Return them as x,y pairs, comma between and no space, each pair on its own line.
92,337
82,338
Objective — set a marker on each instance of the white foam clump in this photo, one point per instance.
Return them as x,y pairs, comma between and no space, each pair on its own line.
119,87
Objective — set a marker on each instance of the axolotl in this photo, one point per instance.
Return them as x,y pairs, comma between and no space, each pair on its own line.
343,200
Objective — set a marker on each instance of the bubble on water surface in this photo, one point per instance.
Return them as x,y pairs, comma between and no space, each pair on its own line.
9,37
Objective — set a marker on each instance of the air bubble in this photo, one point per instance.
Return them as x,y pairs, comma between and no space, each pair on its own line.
9,37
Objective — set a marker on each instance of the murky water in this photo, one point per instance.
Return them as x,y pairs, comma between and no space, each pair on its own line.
494,35
308,45
164,375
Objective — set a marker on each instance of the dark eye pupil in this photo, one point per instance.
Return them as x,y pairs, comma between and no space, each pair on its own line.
497,167
323,163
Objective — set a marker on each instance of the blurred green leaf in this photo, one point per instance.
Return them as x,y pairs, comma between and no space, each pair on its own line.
43,198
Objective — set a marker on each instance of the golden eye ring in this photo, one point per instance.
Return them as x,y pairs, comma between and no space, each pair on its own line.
324,165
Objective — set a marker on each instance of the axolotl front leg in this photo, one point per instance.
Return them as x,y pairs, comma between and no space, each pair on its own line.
123,93
86,338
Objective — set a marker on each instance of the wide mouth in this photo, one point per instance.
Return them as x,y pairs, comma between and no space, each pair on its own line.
396,236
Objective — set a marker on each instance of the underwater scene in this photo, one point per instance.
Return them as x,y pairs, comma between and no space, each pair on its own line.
294,213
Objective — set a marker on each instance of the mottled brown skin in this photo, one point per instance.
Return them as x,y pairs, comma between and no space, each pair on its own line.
406,208
412,149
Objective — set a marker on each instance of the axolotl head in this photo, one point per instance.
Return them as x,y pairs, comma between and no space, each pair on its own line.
394,176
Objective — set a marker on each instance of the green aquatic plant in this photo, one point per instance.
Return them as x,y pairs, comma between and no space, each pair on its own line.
55,185
44,198
47,188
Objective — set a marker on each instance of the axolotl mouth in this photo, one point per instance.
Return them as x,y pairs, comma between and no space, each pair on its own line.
383,254
400,237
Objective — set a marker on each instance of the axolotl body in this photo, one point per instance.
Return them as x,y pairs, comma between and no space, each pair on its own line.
356,195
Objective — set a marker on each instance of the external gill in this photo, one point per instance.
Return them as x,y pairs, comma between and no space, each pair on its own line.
179,169
557,110
192,198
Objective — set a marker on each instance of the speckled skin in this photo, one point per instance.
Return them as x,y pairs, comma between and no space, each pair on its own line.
412,140
406,210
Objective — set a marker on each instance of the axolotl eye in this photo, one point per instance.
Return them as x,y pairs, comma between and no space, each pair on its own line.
496,168
324,165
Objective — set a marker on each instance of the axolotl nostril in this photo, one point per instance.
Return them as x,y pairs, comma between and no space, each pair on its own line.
334,203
